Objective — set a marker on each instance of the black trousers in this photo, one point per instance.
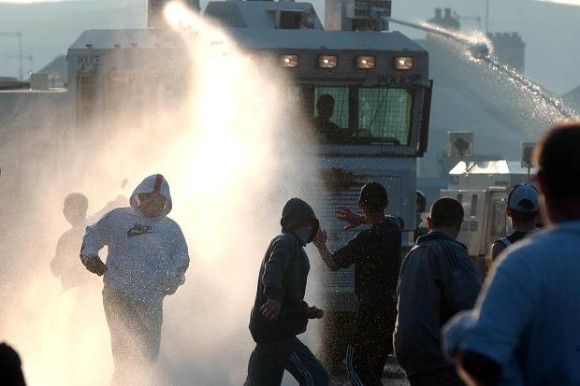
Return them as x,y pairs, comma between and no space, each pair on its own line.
371,343
269,360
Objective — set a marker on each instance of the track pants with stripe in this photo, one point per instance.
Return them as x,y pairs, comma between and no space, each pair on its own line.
371,343
269,360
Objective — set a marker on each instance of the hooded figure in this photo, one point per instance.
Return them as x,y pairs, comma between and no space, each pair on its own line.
147,259
280,312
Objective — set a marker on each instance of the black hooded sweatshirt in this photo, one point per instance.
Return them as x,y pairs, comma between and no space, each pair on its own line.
283,275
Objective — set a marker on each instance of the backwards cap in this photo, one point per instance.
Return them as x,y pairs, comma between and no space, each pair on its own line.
524,198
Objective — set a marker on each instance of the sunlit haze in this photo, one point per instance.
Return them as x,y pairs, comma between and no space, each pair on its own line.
229,174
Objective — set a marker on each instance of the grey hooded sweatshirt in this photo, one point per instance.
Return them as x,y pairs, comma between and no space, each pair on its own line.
283,276
147,257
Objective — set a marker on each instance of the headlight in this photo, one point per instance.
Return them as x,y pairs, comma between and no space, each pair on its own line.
327,61
289,61
365,62
403,63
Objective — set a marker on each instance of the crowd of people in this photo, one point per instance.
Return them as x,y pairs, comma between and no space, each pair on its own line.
427,309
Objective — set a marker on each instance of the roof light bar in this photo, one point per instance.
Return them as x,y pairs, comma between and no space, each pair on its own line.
403,63
327,61
289,61
365,62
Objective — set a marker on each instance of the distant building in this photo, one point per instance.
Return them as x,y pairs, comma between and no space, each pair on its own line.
573,98
357,15
446,20
509,49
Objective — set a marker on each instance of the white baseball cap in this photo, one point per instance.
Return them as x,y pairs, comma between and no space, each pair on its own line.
524,198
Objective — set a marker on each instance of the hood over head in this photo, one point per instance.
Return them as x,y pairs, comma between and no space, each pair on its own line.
153,183
295,212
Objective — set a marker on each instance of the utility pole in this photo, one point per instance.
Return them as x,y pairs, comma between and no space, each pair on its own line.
19,36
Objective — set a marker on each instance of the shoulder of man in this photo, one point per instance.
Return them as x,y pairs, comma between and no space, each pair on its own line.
395,221
504,242
285,240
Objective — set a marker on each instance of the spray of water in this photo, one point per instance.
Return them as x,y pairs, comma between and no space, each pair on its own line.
477,47
232,152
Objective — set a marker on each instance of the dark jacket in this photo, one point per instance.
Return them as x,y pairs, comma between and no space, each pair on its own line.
283,276
376,253
437,280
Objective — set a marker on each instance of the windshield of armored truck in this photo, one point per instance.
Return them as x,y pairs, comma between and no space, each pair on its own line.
360,114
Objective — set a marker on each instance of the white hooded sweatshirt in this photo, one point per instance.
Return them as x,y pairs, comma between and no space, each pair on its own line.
147,257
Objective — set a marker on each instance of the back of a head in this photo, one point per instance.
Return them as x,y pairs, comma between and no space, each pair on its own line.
325,105
325,100
77,202
446,212
10,367
557,158
523,203
374,196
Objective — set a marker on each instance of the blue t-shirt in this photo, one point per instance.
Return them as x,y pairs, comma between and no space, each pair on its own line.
528,318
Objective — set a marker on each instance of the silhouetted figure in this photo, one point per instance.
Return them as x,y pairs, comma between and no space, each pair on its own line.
523,208
524,328
65,263
437,281
326,130
376,255
74,277
10,367
147,260
280,312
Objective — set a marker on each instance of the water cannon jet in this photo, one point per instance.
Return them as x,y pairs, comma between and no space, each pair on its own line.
479,50
483,51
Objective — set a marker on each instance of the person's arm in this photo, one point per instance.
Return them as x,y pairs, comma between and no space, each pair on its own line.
180,262
320,244
476,369
94,240
272,278
353,220
494,329
472,367
56,264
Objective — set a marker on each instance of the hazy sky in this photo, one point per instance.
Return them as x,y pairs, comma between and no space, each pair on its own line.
318,3
549,28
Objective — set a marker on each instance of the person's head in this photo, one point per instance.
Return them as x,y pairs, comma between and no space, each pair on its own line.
446,215
557,160
10,366
373,198
75,208
151,197
299,218
325,106
523,204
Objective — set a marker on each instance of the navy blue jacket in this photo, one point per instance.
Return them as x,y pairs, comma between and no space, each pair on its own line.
437,280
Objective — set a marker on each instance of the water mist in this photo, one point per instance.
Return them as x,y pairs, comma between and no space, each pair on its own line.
232,153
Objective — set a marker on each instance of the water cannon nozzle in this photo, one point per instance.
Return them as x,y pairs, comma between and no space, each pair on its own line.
479,50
